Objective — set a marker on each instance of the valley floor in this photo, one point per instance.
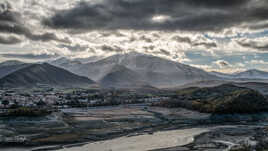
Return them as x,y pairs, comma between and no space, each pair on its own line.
132,126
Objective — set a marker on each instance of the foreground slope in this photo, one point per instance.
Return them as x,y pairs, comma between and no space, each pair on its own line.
35,74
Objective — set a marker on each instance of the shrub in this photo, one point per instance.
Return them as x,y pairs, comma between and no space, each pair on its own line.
25,111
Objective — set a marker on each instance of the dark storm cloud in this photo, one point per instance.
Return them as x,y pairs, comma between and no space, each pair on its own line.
194,43
9,40
182,39
146,39
206,44
150,47
253,45
216,3
74,48
12,22
161,52
259,26
30,56
107,48
6,14
165,52
19,29
190,15
45,37
223,63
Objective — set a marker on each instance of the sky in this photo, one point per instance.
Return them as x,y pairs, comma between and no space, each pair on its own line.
215,35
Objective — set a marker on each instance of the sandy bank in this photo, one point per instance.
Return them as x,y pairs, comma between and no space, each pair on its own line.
158,140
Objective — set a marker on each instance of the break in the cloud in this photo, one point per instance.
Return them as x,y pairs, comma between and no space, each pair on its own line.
211,34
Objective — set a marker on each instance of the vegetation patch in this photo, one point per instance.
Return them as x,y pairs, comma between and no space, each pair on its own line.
61,138
29,112
224,99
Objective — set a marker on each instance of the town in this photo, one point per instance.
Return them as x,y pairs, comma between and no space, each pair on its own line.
52,99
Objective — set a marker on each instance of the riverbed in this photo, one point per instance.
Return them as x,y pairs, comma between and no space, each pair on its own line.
158,140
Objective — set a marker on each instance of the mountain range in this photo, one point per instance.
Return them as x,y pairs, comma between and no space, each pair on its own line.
249,74
152,70
129,70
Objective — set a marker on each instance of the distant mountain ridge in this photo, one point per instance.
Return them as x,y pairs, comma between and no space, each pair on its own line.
8,67
11,63
35,74
248,74
253,73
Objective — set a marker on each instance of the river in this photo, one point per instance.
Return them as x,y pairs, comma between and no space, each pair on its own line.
158,140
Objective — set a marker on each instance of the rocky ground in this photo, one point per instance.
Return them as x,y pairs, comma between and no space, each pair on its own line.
235,138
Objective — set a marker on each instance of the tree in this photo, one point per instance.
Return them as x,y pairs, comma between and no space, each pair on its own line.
41,103
5,102
15,105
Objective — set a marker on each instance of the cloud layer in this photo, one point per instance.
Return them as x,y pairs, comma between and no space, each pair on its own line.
11,22
190,15
211,34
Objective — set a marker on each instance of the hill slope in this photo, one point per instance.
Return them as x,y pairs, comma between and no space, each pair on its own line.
43,74
8,67
223,99
122,77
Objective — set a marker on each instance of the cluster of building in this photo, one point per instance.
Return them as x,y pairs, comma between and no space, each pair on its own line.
13,139
12,98
76,98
